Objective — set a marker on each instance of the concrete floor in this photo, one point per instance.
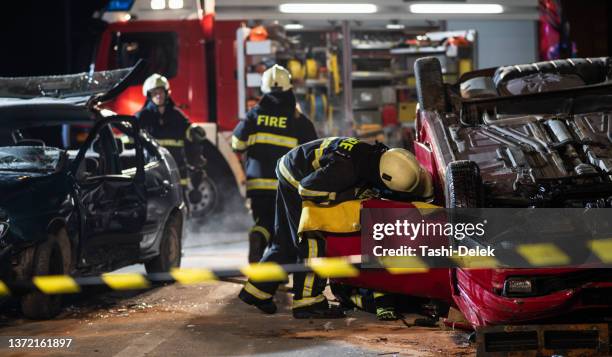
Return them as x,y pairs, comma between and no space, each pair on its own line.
208,320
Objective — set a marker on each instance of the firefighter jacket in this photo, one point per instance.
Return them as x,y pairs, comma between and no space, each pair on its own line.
333,170
270,130
171,129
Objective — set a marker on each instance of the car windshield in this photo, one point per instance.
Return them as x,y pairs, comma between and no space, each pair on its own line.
30,158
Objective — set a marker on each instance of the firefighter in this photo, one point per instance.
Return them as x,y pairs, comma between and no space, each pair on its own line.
329,171
270,130
170,127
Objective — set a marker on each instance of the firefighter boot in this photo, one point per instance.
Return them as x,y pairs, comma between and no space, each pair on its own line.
320,310
266,306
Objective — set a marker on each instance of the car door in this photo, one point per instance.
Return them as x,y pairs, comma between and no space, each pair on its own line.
112,199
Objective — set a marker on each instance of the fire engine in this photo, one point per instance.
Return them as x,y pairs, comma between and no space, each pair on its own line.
181,40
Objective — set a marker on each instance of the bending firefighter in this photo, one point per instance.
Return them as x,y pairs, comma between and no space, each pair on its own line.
170,127
329,171
272,128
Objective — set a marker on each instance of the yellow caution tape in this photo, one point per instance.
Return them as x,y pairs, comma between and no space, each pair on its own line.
56,284
603,249
333,267
543,254
399,265
476,262
264,272
192,276
127,281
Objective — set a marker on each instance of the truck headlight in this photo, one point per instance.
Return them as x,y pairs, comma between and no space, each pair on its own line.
518,287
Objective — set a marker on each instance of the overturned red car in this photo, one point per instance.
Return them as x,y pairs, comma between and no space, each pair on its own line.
534,135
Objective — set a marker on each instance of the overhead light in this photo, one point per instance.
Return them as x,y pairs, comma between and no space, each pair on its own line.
394,25
456,8
158,4
323,8
294,26
175,4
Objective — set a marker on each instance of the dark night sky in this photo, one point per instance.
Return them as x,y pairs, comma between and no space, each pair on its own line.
47,36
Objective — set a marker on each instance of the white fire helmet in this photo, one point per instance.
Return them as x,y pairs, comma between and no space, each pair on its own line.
276,79
400,171
155,81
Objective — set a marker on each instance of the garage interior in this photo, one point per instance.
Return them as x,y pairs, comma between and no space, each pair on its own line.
522,113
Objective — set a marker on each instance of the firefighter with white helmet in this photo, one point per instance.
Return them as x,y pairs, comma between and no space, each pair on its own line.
272,128
169,125
329,171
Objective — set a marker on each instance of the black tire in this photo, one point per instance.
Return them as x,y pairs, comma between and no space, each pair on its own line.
53,257
430,84
464,187
169,248
203,197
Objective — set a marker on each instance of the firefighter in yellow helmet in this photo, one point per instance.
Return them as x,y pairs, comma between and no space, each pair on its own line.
329,171
272,128
169,125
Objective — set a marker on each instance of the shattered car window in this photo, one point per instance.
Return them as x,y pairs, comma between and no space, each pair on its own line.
30,158
64,86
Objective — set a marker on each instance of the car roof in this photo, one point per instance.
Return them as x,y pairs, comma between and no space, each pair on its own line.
19,113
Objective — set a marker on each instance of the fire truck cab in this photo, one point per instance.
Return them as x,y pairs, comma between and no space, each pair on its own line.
181,40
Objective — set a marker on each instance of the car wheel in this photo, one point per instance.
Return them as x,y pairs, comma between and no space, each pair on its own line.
429,84
169,249
203,197
53,257
464,187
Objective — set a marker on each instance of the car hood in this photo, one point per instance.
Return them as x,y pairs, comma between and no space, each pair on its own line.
80,88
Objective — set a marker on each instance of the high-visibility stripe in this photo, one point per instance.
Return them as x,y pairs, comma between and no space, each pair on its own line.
192,276
185,181
171,143
304,192
272,139
319,152
357,300
309,280
263,231
307,301
267,271
262,184
378,294
261,295
56,284
286,174
125,281
237,144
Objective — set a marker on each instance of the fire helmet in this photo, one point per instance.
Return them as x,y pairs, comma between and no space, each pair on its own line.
276,79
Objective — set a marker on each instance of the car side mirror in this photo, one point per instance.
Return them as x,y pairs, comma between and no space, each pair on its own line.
120,146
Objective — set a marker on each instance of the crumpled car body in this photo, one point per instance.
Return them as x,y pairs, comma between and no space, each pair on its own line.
542,142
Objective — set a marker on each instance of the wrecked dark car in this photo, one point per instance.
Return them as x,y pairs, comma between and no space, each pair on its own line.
82,191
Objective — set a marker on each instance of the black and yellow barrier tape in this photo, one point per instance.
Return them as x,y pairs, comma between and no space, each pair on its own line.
541,255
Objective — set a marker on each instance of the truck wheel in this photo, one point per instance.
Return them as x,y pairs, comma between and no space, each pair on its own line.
464,187
169,248
53,257
429,84
229,202
203,196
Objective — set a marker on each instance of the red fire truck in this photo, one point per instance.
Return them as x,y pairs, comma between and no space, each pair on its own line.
181,40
